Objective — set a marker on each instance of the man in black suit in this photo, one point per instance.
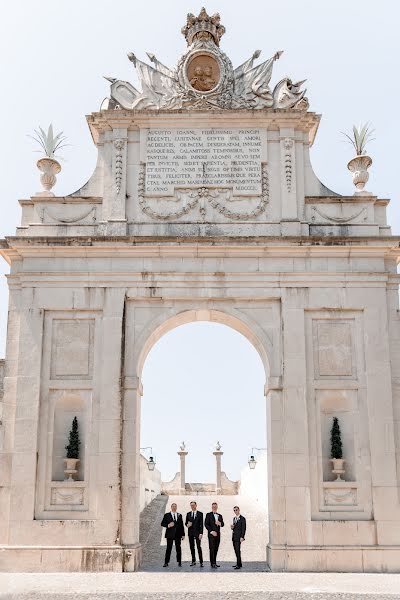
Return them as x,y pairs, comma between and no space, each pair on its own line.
213,524
194,523
238,532
174,532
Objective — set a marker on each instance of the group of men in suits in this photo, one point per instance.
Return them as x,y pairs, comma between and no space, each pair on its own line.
175,532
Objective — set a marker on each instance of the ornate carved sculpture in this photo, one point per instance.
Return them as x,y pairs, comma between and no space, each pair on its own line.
205,78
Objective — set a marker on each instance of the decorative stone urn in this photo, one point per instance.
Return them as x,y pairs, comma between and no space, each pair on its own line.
338,467
70,468
359,166
49,167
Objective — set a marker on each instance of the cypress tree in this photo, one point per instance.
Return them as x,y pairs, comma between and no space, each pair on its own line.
74,441
336,439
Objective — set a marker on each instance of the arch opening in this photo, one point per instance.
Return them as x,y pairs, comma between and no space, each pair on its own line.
187,399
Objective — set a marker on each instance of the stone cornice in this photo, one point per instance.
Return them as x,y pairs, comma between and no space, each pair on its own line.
258,247
107,120
346,200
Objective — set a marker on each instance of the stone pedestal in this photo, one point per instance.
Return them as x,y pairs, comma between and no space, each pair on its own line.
218,454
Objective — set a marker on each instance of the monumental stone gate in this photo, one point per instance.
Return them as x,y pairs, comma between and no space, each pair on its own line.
203,206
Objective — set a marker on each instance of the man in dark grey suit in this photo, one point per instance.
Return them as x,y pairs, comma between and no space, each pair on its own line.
238,532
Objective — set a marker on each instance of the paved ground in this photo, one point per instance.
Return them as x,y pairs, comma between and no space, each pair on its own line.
253,549
156,583
199,586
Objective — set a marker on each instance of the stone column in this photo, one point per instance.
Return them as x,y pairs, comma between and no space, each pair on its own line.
218,454
182,456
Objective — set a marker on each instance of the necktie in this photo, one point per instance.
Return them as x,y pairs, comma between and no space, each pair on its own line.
174,517
192,515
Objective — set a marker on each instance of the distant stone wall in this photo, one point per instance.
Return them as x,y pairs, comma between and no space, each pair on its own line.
150,483
228,487
198,489
173,487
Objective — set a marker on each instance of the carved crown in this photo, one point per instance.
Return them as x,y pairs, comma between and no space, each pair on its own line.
203,27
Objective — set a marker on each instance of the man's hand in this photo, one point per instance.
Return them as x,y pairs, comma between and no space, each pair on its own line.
241,540
218,523
232,526
189,524
200,536
213,533
171,524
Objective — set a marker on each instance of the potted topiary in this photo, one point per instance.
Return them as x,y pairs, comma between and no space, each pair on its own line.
336,450
360,164
48,165
72,459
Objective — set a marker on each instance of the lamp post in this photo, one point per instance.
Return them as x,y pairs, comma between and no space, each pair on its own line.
252,459
151,463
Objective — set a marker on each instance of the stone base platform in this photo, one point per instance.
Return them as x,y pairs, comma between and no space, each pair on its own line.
334,559
85,559
205,585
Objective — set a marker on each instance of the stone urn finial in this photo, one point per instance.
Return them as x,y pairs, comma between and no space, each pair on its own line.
360,164
48,165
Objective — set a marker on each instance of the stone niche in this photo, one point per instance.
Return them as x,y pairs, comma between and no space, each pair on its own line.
67,406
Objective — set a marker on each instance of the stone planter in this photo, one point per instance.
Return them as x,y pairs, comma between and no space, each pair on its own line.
338,467
49,168
359,166
70,468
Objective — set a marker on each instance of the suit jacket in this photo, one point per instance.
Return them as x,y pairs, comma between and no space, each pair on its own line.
210,523
197,524
239,528
175,532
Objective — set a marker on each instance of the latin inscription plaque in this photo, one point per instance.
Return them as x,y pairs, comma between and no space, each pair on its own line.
204,157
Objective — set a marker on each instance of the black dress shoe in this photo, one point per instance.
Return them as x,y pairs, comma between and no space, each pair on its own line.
193,563
213,566
179,564
237,567
165,565
201,565
217,566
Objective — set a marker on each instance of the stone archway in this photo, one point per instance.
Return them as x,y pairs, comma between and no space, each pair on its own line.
140,337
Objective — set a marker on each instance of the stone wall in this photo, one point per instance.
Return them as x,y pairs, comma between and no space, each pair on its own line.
228,487
150,483
254,482
173,487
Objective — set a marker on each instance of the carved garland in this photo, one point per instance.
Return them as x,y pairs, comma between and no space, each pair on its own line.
45,211
332,498
288,145
338,219
195,196
119,145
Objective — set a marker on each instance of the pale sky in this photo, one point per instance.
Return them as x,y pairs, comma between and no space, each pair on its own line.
53,57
